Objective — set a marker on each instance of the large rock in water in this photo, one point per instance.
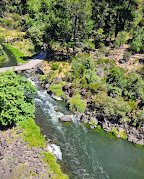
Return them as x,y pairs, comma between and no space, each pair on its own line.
65,119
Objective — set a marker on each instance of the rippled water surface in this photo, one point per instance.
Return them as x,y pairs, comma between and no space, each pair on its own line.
87,154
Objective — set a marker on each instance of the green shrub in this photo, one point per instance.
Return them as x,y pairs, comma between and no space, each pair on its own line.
16,98
121,39
113,109
55,66
50,159
137,44
76,104
57,89
127,56
123,135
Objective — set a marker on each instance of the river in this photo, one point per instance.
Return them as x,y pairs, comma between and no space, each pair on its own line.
86,154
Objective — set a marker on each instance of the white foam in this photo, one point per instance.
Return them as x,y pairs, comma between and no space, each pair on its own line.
55,150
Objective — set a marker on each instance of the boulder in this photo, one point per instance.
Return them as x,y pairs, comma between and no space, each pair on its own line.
72,92
47,86
56,109
140,142
65,88
65,118
19,64
58,79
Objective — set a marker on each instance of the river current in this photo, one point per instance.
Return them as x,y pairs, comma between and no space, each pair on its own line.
85,154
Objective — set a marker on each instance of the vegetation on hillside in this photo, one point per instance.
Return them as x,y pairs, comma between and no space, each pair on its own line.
91,35
3,56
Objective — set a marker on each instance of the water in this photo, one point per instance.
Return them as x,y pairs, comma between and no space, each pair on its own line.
87,154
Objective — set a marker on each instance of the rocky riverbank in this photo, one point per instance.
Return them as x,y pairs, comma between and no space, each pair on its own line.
18,159
125,131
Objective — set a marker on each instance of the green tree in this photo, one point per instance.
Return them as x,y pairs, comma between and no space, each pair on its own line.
16,98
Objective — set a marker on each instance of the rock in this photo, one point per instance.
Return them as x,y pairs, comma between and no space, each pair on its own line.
140,142
94,120
65,118
46,86
6,175
19,72
19,64
56,109
83,92
72,92
79,115
65,88
92,126
58,79
84,118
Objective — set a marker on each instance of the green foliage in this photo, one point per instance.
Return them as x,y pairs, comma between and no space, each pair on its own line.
57,89
3,56
123,135
55,66
17,54
16,98
76,104
137,44
84,70
31,133
50,159
127,56
113,109
121,39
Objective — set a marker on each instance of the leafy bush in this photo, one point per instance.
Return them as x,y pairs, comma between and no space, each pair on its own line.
127,56
55,66
57,89
121,39
113,109
76,104
137,44
123,135
16,98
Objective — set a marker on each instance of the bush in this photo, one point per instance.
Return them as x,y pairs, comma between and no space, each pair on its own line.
137,44
57,89
121,39
76,104
127,56
113,109
16,98
55,66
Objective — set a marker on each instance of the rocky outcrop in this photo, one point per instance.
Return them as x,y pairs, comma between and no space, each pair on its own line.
65,119
18,160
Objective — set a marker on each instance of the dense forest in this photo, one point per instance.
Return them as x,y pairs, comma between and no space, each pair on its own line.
103,44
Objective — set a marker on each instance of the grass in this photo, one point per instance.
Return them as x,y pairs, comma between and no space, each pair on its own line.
17,54
19,45
50,159
31,133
